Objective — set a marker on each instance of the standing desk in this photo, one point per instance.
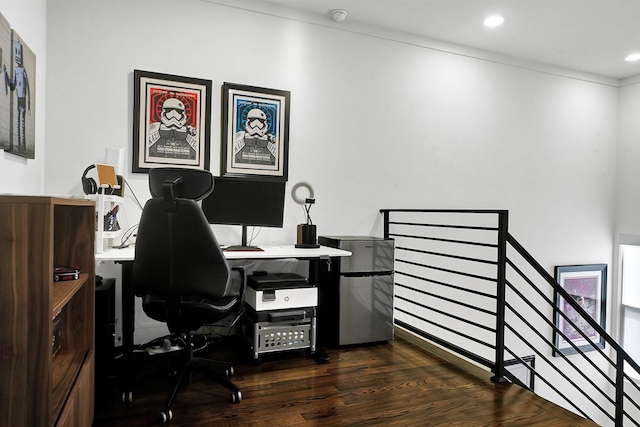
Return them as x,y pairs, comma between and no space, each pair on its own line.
125,257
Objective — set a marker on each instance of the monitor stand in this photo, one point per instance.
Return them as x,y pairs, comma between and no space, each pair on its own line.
243,246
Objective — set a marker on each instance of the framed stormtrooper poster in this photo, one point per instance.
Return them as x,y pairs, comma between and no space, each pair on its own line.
171,121
255,132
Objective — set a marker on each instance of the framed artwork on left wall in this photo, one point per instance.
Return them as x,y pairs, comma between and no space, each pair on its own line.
18,128
5,99
171,121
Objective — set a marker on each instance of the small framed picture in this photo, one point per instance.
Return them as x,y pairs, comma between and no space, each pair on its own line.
523,369
586,285
255,132
171,121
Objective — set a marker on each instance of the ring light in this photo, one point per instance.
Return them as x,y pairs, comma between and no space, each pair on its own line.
306,232
294,190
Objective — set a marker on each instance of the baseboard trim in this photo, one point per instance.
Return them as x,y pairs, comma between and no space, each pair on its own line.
442,353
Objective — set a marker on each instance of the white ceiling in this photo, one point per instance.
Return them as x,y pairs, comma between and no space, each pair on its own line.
592,36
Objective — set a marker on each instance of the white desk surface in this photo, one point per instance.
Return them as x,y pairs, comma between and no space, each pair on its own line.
267,252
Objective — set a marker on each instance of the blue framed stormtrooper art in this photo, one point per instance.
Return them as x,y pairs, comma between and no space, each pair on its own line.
255,132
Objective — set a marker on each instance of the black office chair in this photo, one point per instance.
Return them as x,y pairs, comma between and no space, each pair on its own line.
181,272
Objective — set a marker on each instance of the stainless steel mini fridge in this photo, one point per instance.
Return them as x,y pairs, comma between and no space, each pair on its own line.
358,303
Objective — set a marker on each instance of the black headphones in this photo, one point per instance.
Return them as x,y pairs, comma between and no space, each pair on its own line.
89,185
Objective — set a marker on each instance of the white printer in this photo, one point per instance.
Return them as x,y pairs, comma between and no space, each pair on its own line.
279,292
281,313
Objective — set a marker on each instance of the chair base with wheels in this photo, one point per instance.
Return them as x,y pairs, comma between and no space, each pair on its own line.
194,364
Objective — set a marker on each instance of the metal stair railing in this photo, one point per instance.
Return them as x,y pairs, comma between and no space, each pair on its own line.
464,283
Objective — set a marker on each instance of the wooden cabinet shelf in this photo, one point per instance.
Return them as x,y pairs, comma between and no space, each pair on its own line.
62,292
46,327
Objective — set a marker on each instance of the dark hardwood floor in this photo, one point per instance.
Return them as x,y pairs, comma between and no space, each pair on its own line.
393,384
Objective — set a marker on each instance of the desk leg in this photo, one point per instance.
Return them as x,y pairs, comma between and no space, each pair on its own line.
320,355
128,327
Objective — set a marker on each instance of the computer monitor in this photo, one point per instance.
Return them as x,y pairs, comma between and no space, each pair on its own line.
245,202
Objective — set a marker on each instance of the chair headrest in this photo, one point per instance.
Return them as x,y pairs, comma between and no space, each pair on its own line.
194,184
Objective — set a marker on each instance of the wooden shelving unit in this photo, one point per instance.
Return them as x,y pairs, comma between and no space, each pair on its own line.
40,387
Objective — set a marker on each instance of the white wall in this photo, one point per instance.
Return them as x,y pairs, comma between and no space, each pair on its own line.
375,123
628,166
17,174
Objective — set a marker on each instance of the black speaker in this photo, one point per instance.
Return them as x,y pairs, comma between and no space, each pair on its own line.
105,329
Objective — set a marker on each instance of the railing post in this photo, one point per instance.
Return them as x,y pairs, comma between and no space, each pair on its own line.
503,229
619,389
385,216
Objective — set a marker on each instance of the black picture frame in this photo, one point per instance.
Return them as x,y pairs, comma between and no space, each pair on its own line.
587,286
523,369
255,132
171,121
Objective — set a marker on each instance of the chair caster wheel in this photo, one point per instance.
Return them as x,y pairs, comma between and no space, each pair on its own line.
229,372
236,397
166,416
127,397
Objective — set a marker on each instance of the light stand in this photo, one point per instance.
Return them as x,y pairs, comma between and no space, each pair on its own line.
306,233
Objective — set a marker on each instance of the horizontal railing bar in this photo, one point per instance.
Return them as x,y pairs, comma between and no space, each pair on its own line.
564,357
548,322
629,399
465,353
453,316
549,302
446,270
543,273
450,286
632,381
439,239
446,299
566,378
466,232
552,387
629,416
561,313
446,328
452,226
464,211
446,255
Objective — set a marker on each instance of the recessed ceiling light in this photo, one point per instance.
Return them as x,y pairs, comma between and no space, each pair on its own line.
493,21
633,57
